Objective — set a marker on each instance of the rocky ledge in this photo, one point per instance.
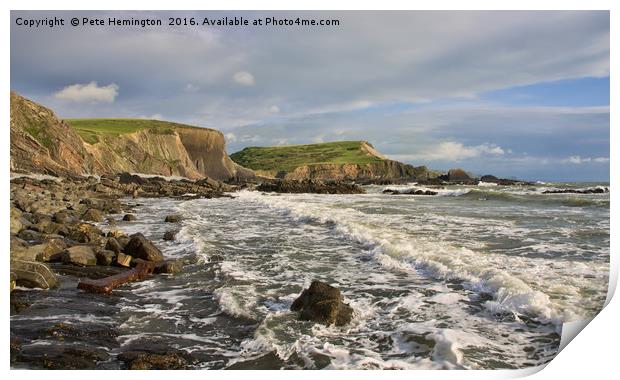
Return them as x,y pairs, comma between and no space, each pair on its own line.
594,190
310,186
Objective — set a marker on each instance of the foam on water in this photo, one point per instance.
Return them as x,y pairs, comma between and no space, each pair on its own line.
518,284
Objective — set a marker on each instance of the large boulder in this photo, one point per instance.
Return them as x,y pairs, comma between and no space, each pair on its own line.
324,304
32,274
80,255
113,245
141,248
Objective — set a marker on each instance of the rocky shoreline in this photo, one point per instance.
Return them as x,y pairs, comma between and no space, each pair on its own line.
64,238
57,231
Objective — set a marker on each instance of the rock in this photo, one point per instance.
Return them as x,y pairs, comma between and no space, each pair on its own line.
123,260
169,266
64,216
129,217
30,235
310,186
170,235
132,178
594,190
16,224
52,250
60,356
322,303
458,175
84,233
92,215
113,245
27,253
105,257
141,248
81,255
489,178
33,274
175,218
141,360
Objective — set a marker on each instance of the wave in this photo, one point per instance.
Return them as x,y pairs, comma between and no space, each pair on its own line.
514,286
570,200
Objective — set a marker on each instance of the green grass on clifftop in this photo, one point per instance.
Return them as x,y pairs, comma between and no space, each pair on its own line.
287,158
90,130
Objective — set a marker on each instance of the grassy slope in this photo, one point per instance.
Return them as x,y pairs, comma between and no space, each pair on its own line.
287,158
90,130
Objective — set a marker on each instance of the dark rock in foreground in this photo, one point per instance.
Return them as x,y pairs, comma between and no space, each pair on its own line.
310,186
322,303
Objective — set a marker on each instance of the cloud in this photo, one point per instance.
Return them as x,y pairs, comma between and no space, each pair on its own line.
453,151
88,93
274,109
244,78
578,160
230,137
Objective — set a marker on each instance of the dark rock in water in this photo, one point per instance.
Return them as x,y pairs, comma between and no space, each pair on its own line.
92,215
594,190
175,218
113,245
322,303
141,248
32,274
409,192
489,178
129,217
141,360
81,255
458,175
60,356
170,235
310,186
169,266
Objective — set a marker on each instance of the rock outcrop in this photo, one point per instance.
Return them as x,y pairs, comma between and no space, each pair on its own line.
310,186
324,304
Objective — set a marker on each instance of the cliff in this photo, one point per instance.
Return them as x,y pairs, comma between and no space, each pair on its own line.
42,143
348,160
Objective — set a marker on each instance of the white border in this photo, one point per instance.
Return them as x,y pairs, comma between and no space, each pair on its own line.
593,352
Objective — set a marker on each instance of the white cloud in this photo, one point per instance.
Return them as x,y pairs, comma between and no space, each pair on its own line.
230,137
244,78
455,151
578,160
274,109
88,93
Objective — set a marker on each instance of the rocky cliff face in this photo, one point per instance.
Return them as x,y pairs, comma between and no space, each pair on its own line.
42,143
375,171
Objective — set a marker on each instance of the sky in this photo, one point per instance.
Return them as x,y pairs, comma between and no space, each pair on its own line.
517,94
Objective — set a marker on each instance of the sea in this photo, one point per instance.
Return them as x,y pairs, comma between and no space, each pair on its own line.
475,277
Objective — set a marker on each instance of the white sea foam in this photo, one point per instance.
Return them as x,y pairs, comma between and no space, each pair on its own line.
511,280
